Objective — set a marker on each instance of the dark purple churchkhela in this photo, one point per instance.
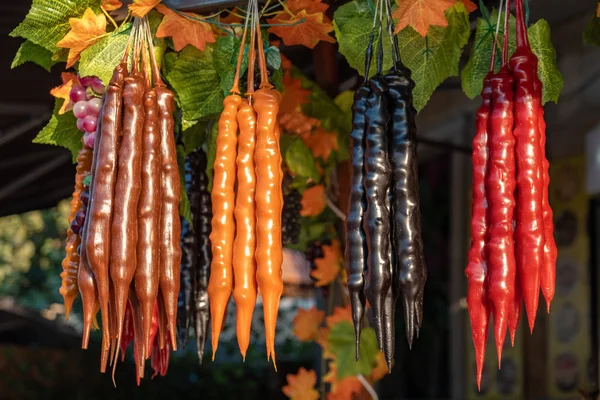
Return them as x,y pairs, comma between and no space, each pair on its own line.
378,173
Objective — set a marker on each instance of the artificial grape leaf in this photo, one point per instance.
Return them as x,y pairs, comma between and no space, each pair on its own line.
101,59
301,386
307,322
339,314
63,91
300,161
311,6
313,201
195,136
436,57
421,14
196,83
31,52
184,202
381,368
328,267
548,72
85,31
293,94
478,64
341,343
353,32
591,33
110,5
541,45
344,101
61,130
469,5
321,143
303,28
139,8
184,31
48,21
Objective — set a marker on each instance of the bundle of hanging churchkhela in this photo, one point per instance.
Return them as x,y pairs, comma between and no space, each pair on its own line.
246,226
384,249
130,251
196,254
513,253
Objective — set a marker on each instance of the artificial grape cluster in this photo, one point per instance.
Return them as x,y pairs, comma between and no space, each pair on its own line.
290,217
87,106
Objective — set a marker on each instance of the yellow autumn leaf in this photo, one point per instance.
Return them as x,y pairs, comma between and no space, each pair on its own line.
301,386
139,8
85,31
328,267
63,91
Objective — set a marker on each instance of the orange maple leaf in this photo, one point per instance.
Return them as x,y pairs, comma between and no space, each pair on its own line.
139,8
346,389
183,30
313,201
293,94
339,314
470,6
110,5
328,267
85,31
303,28
63,91
306,323
321,143
301,386
286,63
230,18
380,369
297,122
311,6
421,14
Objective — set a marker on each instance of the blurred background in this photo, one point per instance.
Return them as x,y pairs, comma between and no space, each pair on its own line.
40,355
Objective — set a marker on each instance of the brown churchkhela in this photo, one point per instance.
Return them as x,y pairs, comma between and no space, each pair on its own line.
102,200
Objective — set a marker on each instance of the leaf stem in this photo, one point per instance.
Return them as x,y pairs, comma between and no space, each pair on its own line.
339,213
286,9
368,387
112,21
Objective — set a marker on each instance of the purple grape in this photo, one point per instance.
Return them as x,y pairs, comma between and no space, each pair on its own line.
89,123
86,81
77,93
80,124
88,139
93,106
79,218
85,197
80,109
98,86
75,227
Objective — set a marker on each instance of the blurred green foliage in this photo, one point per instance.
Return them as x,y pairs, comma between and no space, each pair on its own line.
31,252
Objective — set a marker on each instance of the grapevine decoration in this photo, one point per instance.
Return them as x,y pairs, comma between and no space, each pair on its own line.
513,254
162,234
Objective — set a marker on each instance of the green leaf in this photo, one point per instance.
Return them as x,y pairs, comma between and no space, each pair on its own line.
87,180
341,342
353,38
478,64
541,45
48,21
434,58
356,9
211,152
311,230
273,57
344,101
591,33
195,80
194,137
61,130
184,203
102,57
300,161
29,51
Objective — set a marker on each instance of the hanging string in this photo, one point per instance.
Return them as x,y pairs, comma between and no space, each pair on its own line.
369,52
380,39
